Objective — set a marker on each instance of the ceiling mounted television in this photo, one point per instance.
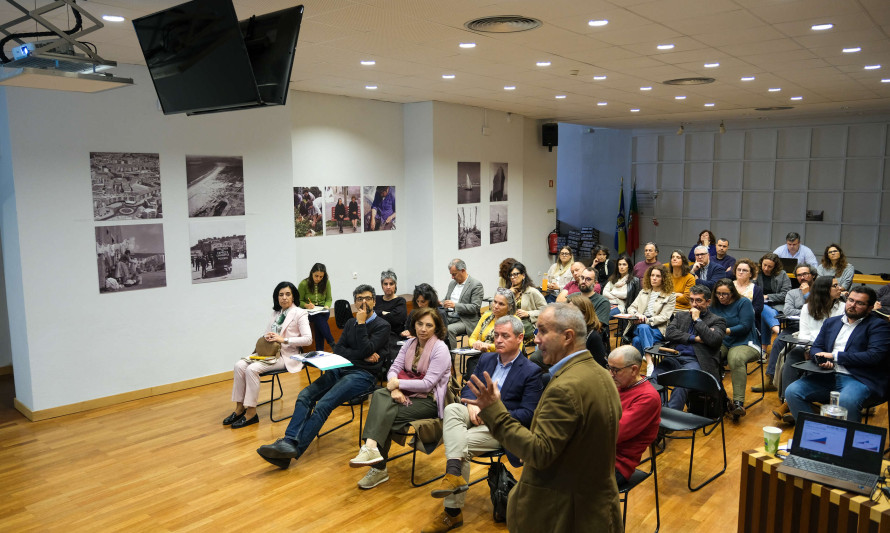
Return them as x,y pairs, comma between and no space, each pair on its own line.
202,60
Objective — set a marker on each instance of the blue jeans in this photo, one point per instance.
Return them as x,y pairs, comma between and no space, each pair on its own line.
768,321
322,330
816,388
315,402
678,395
646,336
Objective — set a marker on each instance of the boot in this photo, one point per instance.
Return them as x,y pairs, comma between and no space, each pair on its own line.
767,386
781,411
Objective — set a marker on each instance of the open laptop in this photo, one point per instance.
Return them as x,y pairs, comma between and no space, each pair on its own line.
836,452
788,264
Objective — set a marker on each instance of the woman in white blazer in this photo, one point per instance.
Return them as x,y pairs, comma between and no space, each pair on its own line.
652,310
289,326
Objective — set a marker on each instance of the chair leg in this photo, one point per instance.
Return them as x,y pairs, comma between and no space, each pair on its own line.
272,403
762,387
691,457
272,379
351,418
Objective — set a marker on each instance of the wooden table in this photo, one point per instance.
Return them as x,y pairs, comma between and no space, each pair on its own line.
770,501
866,279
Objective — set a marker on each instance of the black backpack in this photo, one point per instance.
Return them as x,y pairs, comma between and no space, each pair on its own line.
500,482
342,313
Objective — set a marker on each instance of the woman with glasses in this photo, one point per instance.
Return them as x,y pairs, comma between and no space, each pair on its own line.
834,264
529,301
682,279
502,304
825,301
740,343
652,310
504,273
560,273
316,298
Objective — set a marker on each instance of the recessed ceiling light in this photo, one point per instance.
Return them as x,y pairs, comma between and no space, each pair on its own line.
872,67
599,78
602,103
634,110
645,88
712,65
852,50
679,98
371,87
560,97
509,87
543,63
113,18
775,89
747,78
368,62
597,23
468,45
664,46
820,27
447,76
709,104
797,97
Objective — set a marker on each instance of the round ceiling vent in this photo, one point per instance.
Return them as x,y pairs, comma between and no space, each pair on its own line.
689,81
774,108
503,24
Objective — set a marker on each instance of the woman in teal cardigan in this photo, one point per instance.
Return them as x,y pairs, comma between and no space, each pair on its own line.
315,292
740,343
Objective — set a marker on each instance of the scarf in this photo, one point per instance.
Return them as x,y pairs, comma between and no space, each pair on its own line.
424,362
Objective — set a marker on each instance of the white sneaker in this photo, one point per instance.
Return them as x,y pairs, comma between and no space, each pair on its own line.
373,478
366,457
649,369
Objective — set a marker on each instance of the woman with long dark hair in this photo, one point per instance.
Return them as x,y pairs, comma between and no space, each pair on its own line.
706,239
316,298
529,301
682,279
424,296
834,263
622,287
603,265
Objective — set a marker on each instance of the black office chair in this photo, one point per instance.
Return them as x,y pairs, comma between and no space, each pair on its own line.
410,430
674,420
486,459
359,400
275,379
636,478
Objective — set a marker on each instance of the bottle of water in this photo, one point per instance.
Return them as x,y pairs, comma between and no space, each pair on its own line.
834,409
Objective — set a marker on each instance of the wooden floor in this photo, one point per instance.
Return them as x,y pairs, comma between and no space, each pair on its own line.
167,464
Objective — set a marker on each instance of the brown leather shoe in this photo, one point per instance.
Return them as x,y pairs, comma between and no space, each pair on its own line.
781,411
767,386
449,485
443,522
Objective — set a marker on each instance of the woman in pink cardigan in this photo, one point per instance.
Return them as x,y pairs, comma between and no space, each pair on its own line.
418,382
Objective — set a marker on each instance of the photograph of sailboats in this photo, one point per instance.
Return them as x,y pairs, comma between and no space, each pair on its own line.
469,183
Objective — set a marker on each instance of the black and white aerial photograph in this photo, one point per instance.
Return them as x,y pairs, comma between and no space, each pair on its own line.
468,233
343,211
498,182
131,257
218,250
498,224
126,185
308,208
215,185
469,182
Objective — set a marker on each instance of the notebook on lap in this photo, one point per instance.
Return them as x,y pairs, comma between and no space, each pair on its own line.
836,452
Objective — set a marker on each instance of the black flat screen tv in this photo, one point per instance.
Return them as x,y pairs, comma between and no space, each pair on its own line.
202,60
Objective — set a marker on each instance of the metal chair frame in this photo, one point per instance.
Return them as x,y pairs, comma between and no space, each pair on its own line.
635,479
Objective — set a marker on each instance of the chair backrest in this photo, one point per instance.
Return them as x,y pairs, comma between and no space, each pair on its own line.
692,379
342,313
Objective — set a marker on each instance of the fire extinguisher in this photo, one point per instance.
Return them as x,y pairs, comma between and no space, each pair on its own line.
552,245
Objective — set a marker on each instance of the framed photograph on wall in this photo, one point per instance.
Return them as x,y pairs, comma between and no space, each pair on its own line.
126,185
497,226
215,185
468,233
218,250
342,210
469,182
131,257
379,205
498,173
308,211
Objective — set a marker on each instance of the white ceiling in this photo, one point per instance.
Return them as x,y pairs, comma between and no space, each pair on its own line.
415,42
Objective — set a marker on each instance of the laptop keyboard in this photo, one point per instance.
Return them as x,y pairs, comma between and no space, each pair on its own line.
838,472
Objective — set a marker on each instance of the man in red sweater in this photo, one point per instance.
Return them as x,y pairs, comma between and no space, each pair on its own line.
640,410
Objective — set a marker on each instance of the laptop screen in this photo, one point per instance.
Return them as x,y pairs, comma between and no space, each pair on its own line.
839,442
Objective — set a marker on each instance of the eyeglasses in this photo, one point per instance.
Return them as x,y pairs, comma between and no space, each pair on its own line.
850,300
515,274
614,370
834,251
360,299
697,300
724,294
701,253
583,278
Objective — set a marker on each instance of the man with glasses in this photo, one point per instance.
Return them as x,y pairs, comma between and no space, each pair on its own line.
706,272
362,342
794,302
856,345
601,304
640,410
697,334
462,301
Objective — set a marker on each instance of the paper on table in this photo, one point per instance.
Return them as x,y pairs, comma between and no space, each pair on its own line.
465,351
315,310
323,360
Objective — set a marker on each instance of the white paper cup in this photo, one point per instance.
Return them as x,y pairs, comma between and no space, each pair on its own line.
771,436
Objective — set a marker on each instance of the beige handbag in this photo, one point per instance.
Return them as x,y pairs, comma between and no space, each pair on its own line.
266,351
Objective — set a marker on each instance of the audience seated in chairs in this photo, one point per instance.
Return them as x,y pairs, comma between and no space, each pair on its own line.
424,296
596,342
834,263
681,279
573,286
391,308
560,273
462,302
604,266
289,326
652,310
416,388
794,301
364,343
529,300
775,285
502,304
739,344
622,287
465,434
745,273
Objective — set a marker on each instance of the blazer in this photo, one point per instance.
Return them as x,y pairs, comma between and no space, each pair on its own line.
295,328
520,392
711,328
533,302
781,284
565,486
664,308
867,350
713,273
467,308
